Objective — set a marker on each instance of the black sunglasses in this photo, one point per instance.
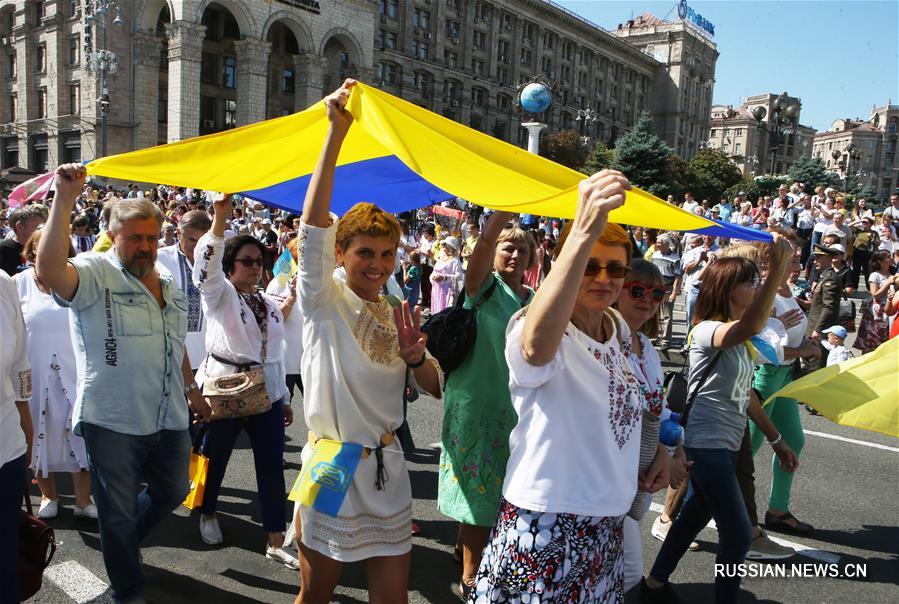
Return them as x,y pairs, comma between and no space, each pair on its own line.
615,271
248,262
638,291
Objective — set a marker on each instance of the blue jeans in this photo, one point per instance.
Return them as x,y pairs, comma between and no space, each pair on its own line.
266,432
119,462
12,487
714,493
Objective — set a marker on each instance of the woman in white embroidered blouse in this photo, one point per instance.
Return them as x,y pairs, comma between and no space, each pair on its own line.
356,356
245,326
572,471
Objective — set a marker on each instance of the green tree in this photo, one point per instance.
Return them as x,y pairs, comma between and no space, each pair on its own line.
681,177
565,147
643,157
748,186
811,172
599,158
712,174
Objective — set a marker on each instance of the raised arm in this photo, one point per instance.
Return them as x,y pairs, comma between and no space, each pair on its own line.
551,308
480,263
317,205
52,266
753,320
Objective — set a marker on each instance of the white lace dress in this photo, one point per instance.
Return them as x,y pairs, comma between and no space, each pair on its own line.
54,380
354,380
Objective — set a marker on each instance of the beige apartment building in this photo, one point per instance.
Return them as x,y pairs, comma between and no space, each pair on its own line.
872,155
174,69
750,143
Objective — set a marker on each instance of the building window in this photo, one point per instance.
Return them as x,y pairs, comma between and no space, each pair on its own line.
207,114
42,103
389,8
422,82
74,99
10,148
388,72
39,153
209,69
40,58
451,58
229,114
40,10
525,56
74,51
162,103
229,72
13,105
738,148
71,147
452,3
452,89
503,76
74,9
288,81
548,40
479,97
504,52
502,102
12,64
479,39
527,31
421,18
477,67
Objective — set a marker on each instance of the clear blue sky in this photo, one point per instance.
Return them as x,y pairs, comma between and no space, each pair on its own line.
839,57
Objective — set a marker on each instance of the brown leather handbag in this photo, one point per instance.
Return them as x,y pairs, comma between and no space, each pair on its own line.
37,544
237,394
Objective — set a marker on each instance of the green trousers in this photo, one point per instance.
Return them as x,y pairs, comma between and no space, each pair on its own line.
784,413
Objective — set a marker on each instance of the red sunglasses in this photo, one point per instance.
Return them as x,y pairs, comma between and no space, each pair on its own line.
638,291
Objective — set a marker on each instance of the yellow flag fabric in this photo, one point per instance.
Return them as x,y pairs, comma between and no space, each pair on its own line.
397,154
862,392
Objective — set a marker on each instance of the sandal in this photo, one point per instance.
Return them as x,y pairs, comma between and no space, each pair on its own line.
781,524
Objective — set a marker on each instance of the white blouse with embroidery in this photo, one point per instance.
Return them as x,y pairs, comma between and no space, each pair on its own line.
354,380
231,329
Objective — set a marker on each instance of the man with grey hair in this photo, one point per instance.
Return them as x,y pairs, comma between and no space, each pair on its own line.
135,381
23,222
179,260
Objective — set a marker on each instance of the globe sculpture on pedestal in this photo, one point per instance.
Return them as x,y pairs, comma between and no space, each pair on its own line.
535,98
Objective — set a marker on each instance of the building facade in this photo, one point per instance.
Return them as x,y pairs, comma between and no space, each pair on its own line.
750,144
871,159
183,68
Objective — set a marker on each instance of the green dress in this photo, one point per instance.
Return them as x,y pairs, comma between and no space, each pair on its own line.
478,416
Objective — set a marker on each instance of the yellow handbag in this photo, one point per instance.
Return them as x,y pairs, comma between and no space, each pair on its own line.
199,466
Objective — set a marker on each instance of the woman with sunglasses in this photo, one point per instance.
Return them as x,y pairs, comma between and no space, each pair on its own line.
245,326
572,471
733,305
639,302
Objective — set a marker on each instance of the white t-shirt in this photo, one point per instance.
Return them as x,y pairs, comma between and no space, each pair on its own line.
806,219
576,446
15,372
795,334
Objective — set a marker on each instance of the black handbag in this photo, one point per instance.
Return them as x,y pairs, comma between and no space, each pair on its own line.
678,396
36,537
452,331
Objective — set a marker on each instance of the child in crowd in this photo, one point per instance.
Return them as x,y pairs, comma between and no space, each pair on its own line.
835,337
412,278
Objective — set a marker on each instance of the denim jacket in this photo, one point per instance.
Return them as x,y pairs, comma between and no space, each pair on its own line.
129,350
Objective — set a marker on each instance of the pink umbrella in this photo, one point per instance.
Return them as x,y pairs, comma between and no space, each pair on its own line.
35,189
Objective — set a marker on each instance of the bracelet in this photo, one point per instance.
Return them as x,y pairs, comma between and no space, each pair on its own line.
779,438
418,364
190,388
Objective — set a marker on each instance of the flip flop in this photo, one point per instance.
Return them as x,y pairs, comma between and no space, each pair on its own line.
781,524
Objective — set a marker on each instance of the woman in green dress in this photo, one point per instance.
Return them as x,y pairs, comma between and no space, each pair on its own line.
478,414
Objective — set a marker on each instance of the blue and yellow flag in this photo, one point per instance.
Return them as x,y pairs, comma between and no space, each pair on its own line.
862,392
285,268
397,155
326,476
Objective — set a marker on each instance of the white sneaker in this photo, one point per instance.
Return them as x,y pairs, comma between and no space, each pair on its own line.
210,531
88,511
660,530
281,556
49,509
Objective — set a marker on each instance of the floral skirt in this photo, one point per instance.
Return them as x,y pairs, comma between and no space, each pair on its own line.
536,557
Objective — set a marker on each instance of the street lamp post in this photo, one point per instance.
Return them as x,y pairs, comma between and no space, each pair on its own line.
101,61
844,162
784,120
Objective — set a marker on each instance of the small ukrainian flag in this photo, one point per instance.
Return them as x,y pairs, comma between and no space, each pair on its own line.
285,268
327,476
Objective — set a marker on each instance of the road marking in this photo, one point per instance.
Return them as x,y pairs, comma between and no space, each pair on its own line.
853,441
805,550
79,583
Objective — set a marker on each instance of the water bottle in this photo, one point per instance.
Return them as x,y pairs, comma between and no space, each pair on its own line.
671,433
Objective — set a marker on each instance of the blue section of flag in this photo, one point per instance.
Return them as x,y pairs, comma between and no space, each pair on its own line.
765,349
389,184
334,478
734,231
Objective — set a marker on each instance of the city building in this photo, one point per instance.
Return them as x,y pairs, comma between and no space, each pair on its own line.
80,80
864,150
750,143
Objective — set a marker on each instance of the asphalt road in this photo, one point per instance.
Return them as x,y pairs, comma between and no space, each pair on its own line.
848,490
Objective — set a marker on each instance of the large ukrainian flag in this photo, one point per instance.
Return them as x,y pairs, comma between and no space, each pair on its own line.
396,155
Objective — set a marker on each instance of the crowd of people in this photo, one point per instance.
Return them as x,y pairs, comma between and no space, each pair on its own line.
119,308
